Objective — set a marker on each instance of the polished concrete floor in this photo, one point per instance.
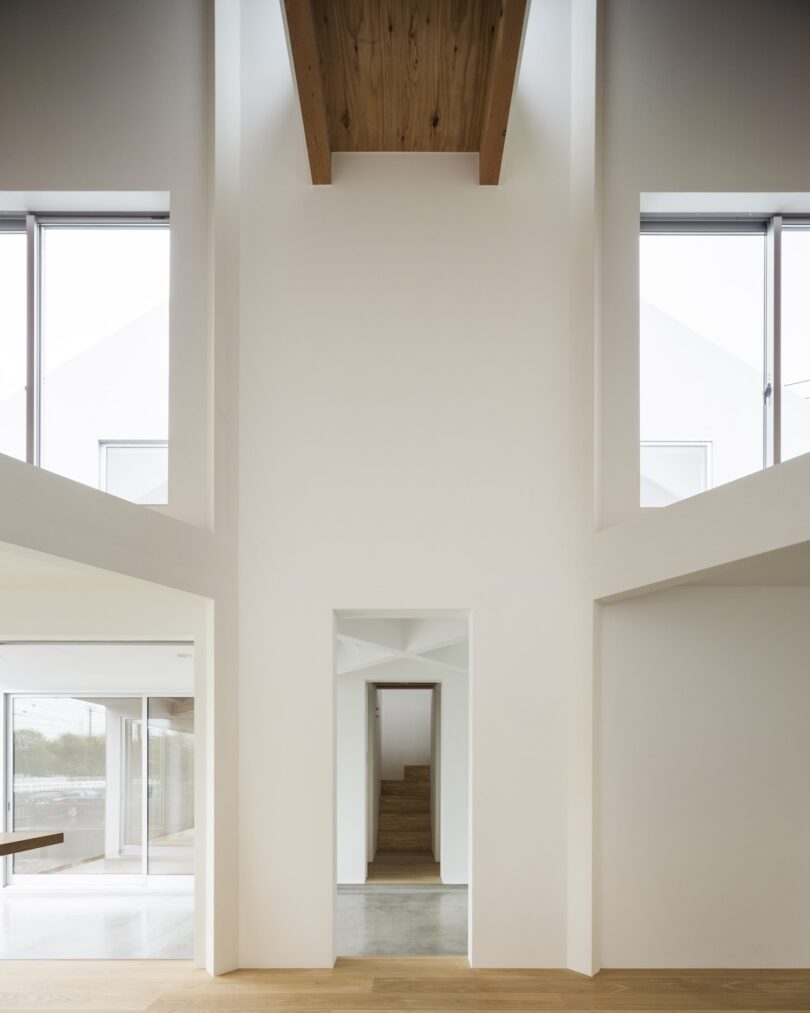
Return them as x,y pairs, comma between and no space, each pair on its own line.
393,920
108,925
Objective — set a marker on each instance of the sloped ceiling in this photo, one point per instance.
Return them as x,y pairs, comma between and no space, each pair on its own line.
405,75
415,649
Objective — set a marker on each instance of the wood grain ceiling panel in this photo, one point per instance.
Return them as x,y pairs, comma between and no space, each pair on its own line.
406,75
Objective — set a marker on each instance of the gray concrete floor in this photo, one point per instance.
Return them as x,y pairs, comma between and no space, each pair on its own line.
377,920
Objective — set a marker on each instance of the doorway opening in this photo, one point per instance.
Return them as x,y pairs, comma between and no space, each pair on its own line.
402,778
402,785
99,793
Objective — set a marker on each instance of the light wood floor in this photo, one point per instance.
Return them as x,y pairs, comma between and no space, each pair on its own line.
404,867
377,984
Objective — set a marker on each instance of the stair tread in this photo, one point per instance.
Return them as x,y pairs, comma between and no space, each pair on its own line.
404,803
390,821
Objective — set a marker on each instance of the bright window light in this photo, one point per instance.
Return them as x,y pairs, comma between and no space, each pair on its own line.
795,333
702,341
105,353
13,340
135,471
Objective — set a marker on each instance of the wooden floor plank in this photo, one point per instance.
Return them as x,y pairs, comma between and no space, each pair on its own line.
382,984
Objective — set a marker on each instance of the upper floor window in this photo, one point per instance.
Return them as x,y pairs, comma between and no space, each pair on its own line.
84,342
724,351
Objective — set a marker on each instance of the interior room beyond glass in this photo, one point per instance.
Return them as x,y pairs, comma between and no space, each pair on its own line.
114,774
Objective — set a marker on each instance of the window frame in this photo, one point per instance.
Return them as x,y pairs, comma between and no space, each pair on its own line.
32,224
144,879
771,227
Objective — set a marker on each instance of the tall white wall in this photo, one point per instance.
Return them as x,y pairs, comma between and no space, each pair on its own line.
703,771
713,111
405,730
403,384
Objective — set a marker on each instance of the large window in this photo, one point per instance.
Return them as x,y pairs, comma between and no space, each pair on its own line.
84,326
79,766
13,329
724,351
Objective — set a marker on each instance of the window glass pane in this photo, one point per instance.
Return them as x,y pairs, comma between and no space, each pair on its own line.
13,342
673,471
702,343
795,342
136,471
77,769
105,348
171,786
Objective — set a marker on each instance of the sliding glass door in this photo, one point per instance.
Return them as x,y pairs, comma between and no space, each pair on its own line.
123,799
170,815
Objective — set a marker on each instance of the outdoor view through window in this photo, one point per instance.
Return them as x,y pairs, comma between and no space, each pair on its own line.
704,363
100,415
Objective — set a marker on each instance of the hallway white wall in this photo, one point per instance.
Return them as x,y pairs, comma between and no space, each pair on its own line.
405,730
704,759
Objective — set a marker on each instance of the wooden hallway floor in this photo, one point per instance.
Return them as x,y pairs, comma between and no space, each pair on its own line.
404,867
377,984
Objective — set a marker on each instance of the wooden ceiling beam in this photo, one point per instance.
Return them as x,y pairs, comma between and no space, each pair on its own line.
503,68
307,60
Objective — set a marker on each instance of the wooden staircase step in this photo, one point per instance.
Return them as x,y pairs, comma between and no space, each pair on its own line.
404,814
410,789
404,821
418,773
405,803
404,840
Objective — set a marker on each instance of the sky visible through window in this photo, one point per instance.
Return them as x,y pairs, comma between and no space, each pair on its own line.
702,331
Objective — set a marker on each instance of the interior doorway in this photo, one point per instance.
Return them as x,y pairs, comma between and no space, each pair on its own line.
402,778
99,752
402,785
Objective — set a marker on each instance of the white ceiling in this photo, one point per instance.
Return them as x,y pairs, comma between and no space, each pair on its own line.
428,646
108,668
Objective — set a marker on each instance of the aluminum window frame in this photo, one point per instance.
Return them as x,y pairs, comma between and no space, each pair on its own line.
771,226
32,225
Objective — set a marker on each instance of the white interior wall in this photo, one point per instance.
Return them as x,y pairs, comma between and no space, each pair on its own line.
353,843
703,766
373,774
435,771
405,716
714,111
351,739
397,399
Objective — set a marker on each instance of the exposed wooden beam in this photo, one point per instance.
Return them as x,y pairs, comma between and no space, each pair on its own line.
307,61
502,71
